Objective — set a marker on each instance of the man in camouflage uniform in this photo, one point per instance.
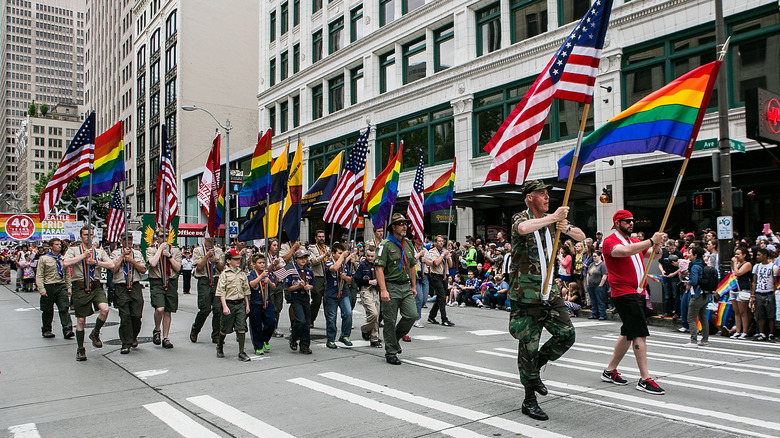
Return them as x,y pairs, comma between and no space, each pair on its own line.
530,312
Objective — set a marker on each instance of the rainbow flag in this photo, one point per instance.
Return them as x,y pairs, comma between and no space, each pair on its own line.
220,206
257,186
438,195
727,284
384,191
655,278
109,167
666,120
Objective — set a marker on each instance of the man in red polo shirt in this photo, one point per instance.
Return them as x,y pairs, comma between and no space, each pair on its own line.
624,257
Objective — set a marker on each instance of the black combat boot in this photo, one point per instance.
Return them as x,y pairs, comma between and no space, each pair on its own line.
531,407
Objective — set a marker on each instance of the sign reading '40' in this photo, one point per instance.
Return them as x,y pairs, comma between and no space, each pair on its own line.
29,227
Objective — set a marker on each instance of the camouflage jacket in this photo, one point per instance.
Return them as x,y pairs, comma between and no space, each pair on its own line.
525,280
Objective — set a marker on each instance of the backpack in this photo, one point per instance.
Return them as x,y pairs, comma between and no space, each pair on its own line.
709,279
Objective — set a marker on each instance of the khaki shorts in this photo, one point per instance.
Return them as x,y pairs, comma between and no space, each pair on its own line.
85,304
167,299
236,320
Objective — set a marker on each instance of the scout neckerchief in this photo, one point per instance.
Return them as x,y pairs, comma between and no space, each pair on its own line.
543,256
86,269
322,249
404,264
636,259
338,279
58,263
209,266
303,276
262,289
129,270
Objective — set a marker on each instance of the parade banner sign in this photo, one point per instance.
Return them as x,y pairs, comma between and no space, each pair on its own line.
148,225
28,227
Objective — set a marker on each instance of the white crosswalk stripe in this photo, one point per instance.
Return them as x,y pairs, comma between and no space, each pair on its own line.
719,351
178,421
27,430
392,411
697,415
234,416
468,414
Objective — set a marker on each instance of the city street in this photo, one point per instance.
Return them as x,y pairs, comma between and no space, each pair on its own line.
460,381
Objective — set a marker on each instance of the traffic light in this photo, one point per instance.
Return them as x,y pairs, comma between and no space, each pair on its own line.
704,201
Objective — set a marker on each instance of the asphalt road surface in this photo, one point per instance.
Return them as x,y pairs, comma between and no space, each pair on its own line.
457,381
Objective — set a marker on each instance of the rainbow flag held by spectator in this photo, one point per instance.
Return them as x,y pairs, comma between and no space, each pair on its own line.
656,278
727,284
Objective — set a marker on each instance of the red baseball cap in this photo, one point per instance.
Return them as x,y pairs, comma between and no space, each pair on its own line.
232,254
620,215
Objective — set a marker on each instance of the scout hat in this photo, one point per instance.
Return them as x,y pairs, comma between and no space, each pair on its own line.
301,253
620,215
532,186
398,218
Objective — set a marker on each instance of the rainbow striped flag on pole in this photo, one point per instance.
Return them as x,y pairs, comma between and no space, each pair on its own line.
258,184
384,191
438,195
109,163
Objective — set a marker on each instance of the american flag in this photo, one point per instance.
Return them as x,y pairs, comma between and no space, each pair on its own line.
286,271
569,75
79,157
415,212
167,198
116,218
348,194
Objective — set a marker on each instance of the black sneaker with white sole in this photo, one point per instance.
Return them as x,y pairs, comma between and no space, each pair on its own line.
613,377
649,386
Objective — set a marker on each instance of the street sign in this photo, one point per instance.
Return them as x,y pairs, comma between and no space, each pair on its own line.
712,143
134,222
233,228
725,227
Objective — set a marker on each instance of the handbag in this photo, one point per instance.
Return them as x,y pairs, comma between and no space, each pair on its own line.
744,295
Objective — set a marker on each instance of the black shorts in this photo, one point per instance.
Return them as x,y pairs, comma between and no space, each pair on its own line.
631,309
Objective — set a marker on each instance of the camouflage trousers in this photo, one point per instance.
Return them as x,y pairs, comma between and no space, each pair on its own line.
525,325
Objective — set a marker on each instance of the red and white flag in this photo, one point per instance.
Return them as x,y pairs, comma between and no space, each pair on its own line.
115,224
209,181
415,211
79,157
167,197
569,75
347,197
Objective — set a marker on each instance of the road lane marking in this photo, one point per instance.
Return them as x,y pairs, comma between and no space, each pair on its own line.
447,408
723,351
668,380
725,416
591,324
489,332
718,339
28,430
178,421
428,338
391,411
143,375
590,401
25,309
237,417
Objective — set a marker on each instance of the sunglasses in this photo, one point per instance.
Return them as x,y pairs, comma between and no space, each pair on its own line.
628,221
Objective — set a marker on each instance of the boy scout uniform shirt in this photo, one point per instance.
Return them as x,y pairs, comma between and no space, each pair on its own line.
119,276
47,273
317,259
233,285
154,271
433,254
77,273
304,274
197,256
525,278
388,256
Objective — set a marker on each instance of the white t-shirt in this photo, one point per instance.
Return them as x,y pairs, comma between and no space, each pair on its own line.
765,277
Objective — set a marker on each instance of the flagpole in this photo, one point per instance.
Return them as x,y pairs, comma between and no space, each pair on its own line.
447,242
341,169
545,287
124,202
677,184
89,212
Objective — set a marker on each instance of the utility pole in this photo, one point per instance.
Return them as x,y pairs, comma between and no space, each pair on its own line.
725,246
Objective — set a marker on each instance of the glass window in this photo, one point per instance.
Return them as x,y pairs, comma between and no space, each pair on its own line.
572,10
336,93
141,85
296,118
283,117
296,63
284,18
296,12
170,123
272,25
283,66
432,130
357,27
387,76
529,18
170,25
754,55
316,102
154,42
414,61
316,5
356,85
272,119
410,5
141,115
141,61
170,57
154,73
386,12
336,35
272,72
316,46
154,104
488,29
170,92
444,50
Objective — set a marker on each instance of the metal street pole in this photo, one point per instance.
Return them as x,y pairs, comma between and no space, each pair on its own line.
725,246
227,127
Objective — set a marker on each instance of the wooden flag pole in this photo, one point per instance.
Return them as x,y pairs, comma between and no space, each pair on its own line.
545,287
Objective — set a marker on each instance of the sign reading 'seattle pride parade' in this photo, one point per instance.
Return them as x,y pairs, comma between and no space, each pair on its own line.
29,227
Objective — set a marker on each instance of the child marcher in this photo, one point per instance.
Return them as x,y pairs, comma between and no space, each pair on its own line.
233,292
337,282
262,316
300,285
